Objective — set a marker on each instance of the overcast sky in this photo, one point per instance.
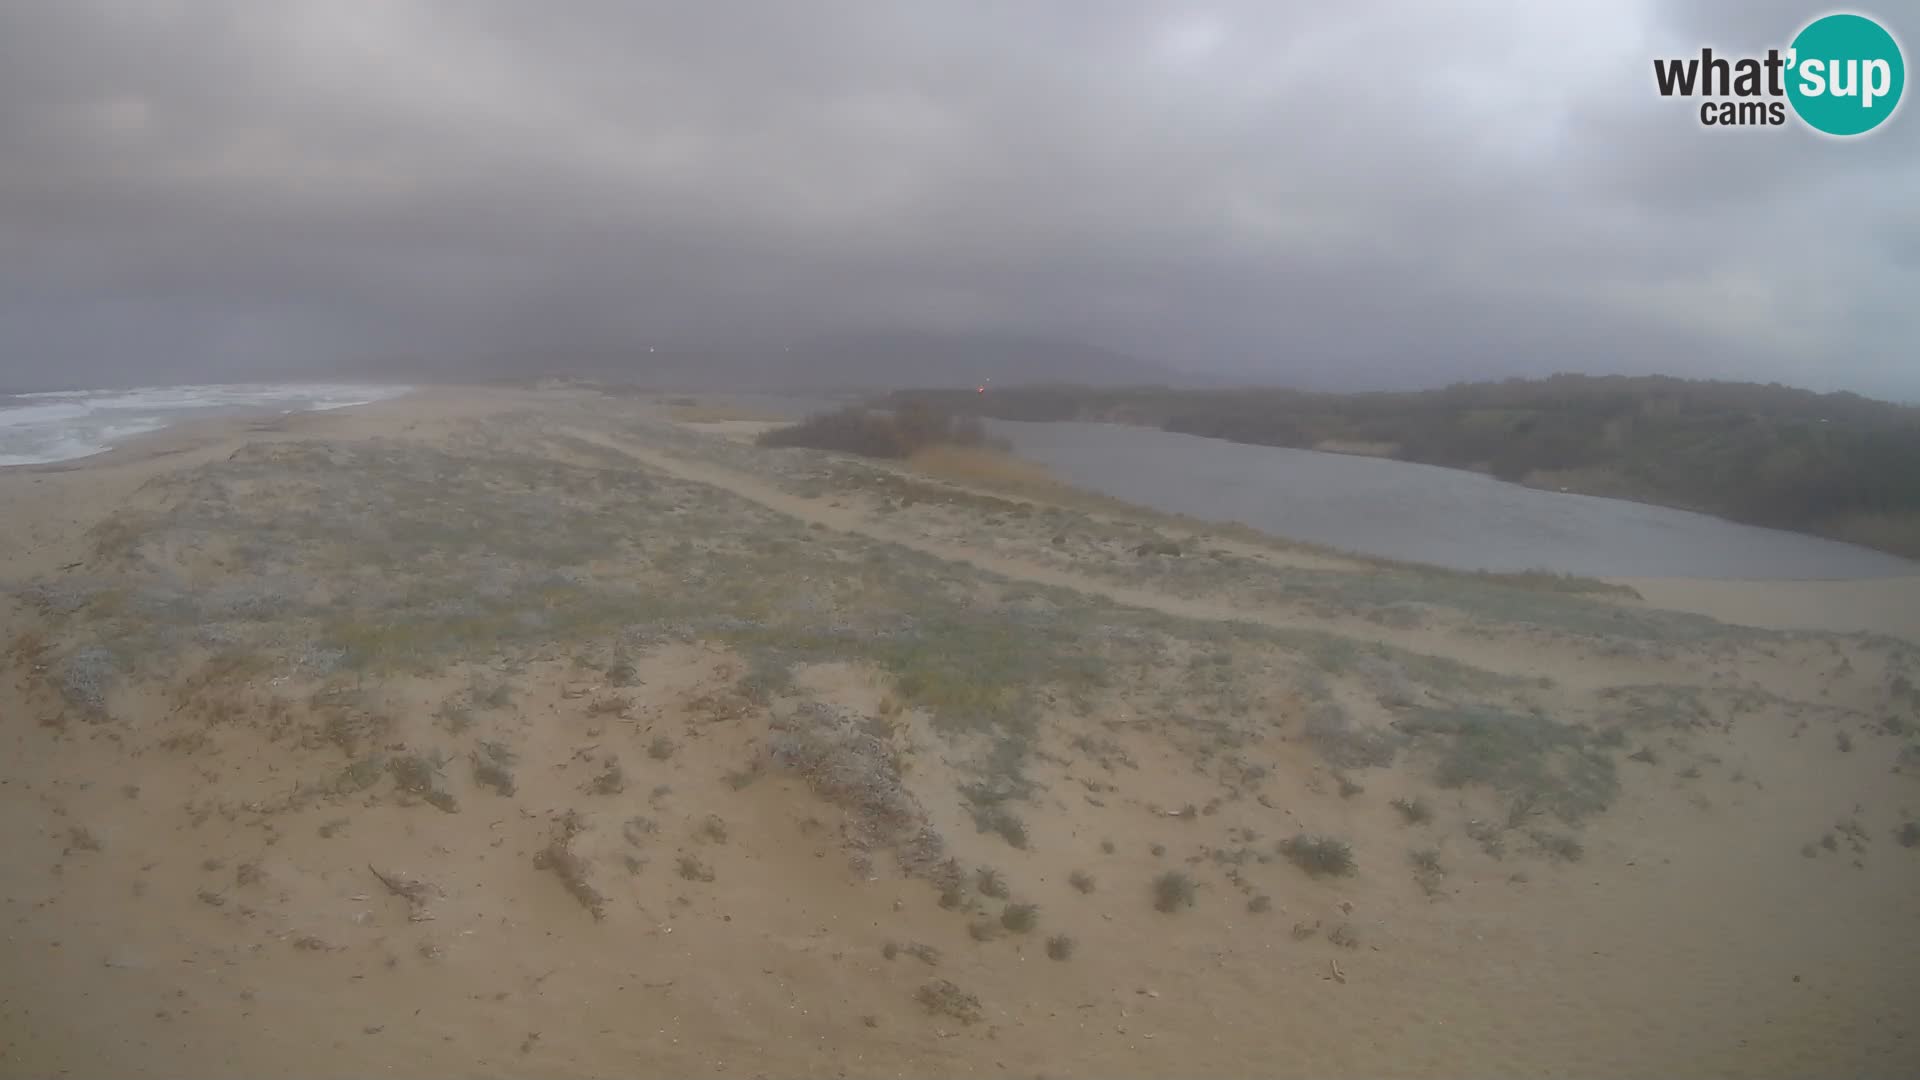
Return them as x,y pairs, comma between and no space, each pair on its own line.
1333,193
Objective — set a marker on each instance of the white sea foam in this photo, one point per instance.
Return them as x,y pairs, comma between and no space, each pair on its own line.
61,425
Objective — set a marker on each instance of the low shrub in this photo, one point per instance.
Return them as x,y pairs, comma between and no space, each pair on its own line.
1320,856
879,434
1173,890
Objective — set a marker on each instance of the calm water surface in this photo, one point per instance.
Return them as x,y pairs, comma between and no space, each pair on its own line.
1424,513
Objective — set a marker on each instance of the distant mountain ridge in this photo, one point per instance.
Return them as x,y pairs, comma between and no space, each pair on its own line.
871,361
849,362
898,360
858,361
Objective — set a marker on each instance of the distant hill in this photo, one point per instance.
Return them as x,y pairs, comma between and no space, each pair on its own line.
1839,465
867,361
899,360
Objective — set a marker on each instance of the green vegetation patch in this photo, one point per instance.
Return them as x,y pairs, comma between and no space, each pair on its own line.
1538,762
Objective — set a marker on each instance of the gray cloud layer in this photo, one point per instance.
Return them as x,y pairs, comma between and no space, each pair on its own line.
1360,192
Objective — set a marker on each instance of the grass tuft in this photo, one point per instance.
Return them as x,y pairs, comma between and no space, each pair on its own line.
1319,856
420,775
612,779
1020,918
712,829
1002,822
572,870
1533,758
493,768
1427,869
991,883
1562,846
1173,890
1415,810
942,998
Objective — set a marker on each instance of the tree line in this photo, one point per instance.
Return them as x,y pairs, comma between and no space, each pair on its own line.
1837,464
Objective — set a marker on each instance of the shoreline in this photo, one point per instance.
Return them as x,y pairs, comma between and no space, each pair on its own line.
1851,605
1911,569
193,432
176,417
1336,448
46,508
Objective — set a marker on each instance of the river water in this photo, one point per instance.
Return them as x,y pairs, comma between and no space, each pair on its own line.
1424,513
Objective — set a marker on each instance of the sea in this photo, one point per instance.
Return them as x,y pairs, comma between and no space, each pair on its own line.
63,425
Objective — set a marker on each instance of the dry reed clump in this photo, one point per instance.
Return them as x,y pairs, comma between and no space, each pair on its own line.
1319,856
943,997
572,870
984,467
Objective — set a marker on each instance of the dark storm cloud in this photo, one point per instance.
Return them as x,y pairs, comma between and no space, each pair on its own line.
1359,192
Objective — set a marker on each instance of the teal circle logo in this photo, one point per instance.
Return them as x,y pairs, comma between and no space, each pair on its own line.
1845,74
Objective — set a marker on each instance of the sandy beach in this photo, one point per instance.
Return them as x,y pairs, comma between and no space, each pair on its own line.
491,731
1872,605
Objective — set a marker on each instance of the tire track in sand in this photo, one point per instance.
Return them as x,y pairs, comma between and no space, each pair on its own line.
1525,660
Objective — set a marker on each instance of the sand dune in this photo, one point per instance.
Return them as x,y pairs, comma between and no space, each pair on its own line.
534,733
